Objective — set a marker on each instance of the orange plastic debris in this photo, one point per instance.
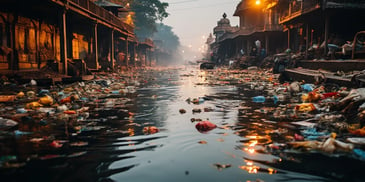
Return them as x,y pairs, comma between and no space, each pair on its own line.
305,107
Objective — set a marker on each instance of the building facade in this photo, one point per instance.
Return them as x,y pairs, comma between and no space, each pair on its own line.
258,23
34,33
313,28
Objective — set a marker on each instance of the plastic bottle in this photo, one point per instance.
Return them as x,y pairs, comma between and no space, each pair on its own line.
360,153
276,99
307,87
259,99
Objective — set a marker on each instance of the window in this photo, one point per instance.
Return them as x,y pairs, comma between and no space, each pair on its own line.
2,35
31,42
20,33
75,49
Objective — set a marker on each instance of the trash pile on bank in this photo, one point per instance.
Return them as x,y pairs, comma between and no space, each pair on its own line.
51,118
325,118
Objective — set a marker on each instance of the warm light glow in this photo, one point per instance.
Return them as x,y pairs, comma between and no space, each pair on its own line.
250,168
253,143
129,19
131,131
258,2
271,170
249,150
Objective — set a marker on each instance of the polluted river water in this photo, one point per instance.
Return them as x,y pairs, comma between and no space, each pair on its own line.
180,124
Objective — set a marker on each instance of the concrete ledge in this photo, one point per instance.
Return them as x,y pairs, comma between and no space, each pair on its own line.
311,76
333,65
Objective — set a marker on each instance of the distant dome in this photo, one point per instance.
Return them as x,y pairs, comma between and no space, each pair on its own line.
224,21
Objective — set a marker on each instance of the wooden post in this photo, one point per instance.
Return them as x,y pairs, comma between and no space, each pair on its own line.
112,50
288,38
151,55
306,41
145,57
14,60
37,37
289,13
126,51
133,55
96,47
267,42
63,42
237,47
326,31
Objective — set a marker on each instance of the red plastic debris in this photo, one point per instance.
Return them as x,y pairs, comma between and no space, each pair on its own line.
205,126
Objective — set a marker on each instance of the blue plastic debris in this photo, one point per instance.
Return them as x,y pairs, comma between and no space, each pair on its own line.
21,110
307,87
276,99
18,132
313,134
359,153
43,92
259,99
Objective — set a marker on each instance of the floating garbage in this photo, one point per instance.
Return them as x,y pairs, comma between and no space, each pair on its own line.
7,123
198,100
356,140
259,99
205,126
359,153
305,107
30,94
43,92
150,130
21,110
18,132
7,98
307,87
20,95
56,144
33,105
46,100
222,166
196,110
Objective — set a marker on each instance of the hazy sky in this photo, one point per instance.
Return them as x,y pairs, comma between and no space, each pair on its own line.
193,19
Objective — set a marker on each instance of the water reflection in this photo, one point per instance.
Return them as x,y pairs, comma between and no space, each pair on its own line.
145,137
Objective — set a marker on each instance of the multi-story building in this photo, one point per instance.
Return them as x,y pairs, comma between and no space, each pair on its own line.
320,22
33,33
258,22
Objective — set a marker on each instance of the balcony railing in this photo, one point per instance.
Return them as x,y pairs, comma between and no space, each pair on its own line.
298,8
102,13
345,3
273,27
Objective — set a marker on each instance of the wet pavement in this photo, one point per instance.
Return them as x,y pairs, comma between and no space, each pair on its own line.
180,124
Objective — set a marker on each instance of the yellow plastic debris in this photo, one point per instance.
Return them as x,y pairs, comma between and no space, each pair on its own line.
46,100
33,105
305,107
20,95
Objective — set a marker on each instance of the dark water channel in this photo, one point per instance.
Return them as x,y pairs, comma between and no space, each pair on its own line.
117,146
